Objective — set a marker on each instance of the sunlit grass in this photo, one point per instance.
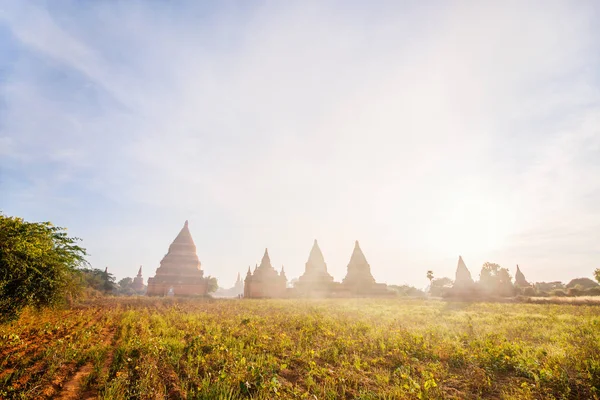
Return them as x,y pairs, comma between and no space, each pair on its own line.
328,349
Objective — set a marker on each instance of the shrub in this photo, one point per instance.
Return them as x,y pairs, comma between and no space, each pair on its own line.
585,283
558,293
595,291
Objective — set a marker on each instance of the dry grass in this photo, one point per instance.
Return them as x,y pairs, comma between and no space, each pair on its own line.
325,349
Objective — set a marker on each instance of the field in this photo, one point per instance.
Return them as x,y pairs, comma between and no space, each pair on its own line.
329,349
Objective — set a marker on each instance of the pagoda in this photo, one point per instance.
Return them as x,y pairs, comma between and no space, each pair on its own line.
463,282
520,280
179,272
265,282
138,282
358,280
316,281
463,279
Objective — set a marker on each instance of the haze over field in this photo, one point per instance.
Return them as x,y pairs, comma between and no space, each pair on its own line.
424,130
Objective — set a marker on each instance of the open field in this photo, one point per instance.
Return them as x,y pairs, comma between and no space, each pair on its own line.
265,349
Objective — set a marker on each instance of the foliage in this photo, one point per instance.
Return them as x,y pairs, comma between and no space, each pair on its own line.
597,274
38,263
407,290
141,348
125,283
98,279
213,285
495,280
440,286
430,276
584,283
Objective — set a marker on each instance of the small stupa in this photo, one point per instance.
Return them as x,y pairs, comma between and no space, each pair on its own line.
138,282
520,280
265,282
179,269
359,279
463,280
315,281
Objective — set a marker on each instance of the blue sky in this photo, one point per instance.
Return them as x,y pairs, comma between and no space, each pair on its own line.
423,129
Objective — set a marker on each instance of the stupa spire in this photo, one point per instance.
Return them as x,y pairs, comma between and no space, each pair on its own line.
520,278
463,276
140,271
266,261
316,261
359,270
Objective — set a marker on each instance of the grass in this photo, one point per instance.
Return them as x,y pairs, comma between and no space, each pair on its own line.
324,349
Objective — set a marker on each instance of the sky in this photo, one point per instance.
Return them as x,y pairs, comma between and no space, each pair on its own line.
425,130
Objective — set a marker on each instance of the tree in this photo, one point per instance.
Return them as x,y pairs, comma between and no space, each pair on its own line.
38,265
125,283
124,287
495,280
213,285
597,274
440,286
585,283
430,276
100,280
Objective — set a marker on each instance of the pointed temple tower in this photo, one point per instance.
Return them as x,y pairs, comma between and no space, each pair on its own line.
520,280
179,270
463,280
316,281
265,282
358,279
138,282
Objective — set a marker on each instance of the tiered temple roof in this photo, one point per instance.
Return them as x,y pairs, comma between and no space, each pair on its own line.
265,281
179,269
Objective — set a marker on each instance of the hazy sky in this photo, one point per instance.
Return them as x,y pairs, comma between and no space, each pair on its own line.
424,129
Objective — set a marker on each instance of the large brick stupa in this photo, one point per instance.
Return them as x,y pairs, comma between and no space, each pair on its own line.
179,273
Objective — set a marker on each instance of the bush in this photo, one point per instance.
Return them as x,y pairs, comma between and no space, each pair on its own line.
38,262
558,293
584,283
528,291
595,291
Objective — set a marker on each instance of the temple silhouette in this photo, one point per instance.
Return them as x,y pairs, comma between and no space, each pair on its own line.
180,270
180,274
138,282
265,282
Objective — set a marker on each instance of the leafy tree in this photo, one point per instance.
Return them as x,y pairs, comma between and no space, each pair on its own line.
495,280
125,283
38,265
440,286
597,274
430,276
585,283
98,279
124,287
213,285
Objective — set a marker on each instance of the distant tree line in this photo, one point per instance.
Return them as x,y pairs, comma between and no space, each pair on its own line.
495,281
